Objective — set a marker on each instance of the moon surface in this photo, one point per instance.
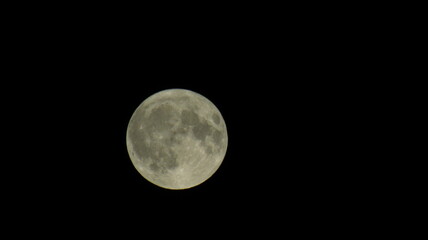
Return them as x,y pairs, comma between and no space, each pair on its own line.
177,139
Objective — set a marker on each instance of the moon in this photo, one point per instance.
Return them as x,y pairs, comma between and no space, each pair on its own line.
177,139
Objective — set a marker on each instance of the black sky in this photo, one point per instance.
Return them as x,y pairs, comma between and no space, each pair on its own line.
284,93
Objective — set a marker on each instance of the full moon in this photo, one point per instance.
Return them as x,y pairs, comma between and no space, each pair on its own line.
176,139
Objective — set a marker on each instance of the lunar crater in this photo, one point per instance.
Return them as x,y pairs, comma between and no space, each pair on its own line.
216,118
189,118
202,130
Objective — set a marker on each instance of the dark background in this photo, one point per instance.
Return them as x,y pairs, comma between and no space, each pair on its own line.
287,88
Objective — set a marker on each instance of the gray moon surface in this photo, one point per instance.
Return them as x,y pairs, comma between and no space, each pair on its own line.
177,139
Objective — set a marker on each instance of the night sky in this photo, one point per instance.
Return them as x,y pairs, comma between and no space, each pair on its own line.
290,161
